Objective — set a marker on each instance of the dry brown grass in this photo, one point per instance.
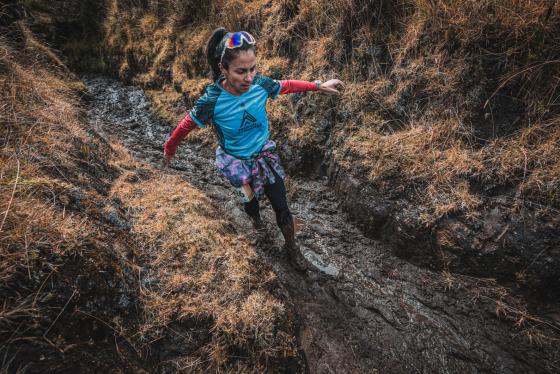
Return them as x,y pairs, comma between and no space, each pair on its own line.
44,158
202,271
202,274
39,117
436,144
427,81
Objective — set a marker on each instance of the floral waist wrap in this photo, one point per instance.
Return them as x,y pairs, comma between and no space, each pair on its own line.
256,171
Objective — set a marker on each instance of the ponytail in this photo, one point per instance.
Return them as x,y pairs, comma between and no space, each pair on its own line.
214,52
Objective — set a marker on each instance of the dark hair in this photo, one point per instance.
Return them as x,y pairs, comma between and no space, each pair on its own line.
214,50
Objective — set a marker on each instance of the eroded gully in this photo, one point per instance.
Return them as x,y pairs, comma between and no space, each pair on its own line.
362,309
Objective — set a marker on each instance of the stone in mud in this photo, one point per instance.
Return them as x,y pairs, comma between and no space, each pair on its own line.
114,219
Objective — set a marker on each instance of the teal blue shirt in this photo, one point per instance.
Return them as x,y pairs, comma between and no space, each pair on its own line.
240,122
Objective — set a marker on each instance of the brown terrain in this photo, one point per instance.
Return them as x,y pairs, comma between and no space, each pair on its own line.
427,193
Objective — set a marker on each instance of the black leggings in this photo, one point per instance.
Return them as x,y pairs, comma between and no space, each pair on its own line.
276,194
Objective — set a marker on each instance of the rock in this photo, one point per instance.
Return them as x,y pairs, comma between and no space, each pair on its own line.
114,219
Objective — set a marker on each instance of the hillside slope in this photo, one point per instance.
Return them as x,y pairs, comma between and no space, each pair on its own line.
101,269
446,139
444,145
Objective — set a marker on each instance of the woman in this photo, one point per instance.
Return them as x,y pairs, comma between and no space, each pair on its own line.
235,105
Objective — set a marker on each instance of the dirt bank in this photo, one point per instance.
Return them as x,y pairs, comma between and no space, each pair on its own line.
447,133
102,267
362,308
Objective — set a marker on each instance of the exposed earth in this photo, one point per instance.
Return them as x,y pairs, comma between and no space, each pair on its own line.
361,308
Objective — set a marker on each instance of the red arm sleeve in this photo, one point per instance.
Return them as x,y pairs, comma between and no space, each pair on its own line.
290,86
181,131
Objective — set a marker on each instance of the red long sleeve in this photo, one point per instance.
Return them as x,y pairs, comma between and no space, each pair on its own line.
291,86
180,133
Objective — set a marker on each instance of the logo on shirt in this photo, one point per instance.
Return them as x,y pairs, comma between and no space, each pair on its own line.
249,122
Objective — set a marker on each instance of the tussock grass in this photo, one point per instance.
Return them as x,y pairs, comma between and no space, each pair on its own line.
203,271
44,156
443,96
468,100
192,272
38,114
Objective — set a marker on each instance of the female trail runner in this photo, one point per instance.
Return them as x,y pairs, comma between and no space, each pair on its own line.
235,106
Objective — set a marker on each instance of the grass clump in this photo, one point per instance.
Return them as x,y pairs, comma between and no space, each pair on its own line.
202,270
438,91
177,276
52,180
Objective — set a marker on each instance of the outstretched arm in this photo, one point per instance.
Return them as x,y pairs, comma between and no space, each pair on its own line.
180,133
291,86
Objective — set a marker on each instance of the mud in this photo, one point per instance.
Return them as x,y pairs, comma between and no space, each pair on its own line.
362,308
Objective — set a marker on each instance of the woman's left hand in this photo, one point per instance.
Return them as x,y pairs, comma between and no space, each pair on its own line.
330,86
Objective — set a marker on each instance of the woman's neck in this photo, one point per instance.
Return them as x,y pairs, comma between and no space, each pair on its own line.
228,88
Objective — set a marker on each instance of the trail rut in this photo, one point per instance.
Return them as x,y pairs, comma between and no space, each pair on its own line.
362,309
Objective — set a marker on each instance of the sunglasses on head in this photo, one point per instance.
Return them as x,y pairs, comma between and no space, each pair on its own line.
235,40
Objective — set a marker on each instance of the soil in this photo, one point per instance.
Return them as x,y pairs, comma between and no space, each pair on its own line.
362,308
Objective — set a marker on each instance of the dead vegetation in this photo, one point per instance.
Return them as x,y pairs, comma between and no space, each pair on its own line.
49,224
200,269
471,105
80,293
36,122
446,101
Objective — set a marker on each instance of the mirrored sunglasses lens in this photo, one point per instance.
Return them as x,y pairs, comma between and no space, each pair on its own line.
234,41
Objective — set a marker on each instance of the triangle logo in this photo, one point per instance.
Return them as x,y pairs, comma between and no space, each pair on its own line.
249,122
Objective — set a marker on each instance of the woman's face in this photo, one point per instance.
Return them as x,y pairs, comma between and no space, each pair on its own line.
241,71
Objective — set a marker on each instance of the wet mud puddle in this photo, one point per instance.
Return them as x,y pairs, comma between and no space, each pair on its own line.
362,309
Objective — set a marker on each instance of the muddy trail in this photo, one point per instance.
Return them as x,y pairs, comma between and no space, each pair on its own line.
362,309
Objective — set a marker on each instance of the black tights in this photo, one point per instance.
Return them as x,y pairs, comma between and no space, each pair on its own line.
276,194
